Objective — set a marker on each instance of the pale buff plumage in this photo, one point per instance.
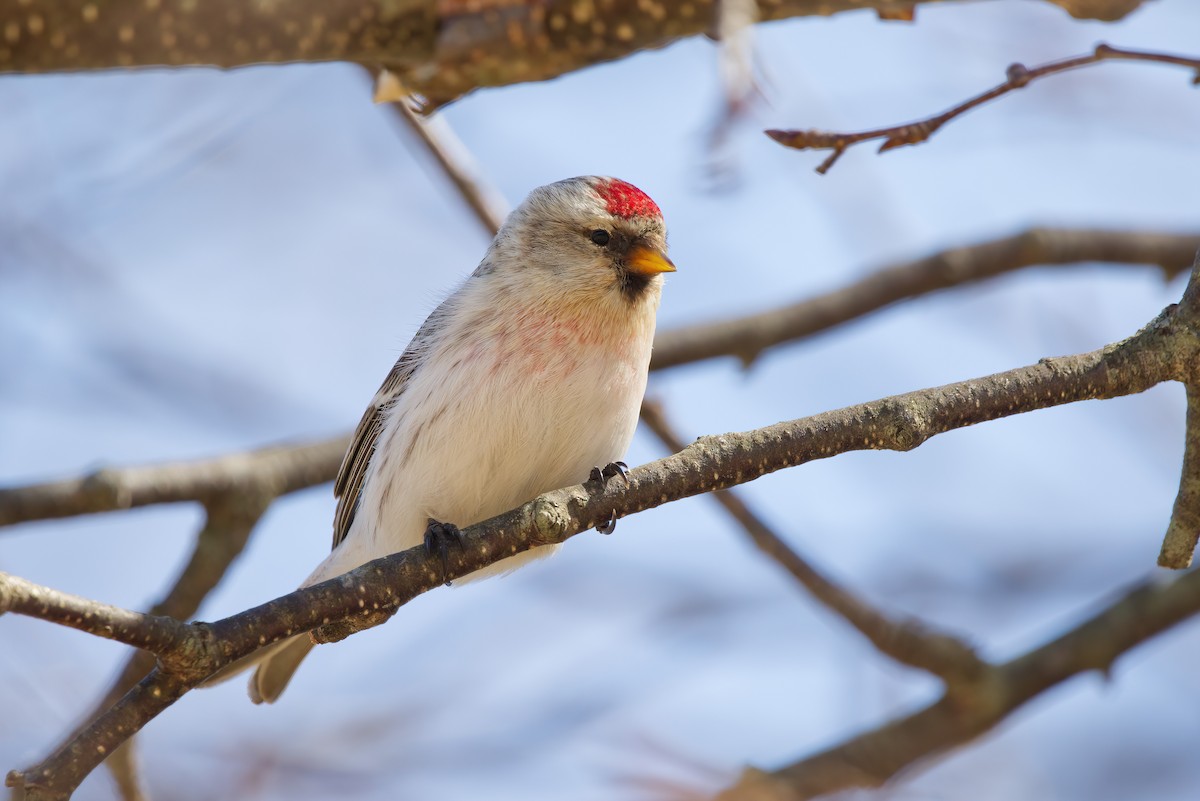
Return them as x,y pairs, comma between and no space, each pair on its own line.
525,378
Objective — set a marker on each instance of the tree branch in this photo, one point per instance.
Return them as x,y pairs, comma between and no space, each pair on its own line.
1165,350
150,632
906,640
965,712
914,133
1183,531
747,337
438,50
277,470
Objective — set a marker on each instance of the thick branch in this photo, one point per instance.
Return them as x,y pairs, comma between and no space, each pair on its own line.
1165,350
440,50
908,641
277,470
964,713
747,337
914,133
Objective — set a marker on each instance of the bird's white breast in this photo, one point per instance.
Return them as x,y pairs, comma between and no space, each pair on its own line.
502,409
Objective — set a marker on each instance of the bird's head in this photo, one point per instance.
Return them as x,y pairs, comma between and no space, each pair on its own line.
587,238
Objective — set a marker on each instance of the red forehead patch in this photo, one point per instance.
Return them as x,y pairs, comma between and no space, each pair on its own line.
626,200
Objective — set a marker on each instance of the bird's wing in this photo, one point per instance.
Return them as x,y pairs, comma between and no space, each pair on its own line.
347,487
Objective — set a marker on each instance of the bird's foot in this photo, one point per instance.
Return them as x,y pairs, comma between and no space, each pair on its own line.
602,476
611,469
438,537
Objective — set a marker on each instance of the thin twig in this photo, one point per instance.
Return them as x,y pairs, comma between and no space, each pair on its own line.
747,337
1183,531
277,470
456,163
908,641
150,632
914,133
963,713
1165,350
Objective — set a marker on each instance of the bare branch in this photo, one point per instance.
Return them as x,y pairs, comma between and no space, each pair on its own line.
747,337
277,470
1183,531
153,633
914,133
438,50
908,641
965,712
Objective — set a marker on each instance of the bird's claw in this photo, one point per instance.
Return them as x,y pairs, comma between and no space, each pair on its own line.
616,469
609,470
438,536
610,526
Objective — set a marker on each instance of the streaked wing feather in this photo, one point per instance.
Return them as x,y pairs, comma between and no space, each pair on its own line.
348,485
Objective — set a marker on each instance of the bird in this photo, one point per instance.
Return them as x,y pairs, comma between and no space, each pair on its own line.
527,378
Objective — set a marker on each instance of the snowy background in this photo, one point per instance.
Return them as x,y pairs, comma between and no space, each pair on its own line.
196,262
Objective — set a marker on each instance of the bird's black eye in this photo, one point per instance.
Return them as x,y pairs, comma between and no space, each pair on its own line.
600,237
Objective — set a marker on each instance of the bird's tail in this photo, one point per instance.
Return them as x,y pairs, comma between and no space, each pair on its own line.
276,663
276,669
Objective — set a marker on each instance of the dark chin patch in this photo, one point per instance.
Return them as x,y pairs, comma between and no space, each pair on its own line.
633,286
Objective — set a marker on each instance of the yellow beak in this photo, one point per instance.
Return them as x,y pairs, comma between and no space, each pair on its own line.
644,260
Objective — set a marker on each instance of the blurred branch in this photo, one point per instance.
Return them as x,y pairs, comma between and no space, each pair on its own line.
914,133
967,711
1183,531
747,337
1166,349
456,162
277,470
908,641
440,50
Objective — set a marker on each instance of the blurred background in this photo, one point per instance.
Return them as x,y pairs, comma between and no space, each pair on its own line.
195,262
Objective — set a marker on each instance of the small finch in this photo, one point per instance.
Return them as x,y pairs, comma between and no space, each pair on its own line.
522,381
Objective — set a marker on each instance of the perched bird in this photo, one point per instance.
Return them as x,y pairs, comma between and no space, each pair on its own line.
526,378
